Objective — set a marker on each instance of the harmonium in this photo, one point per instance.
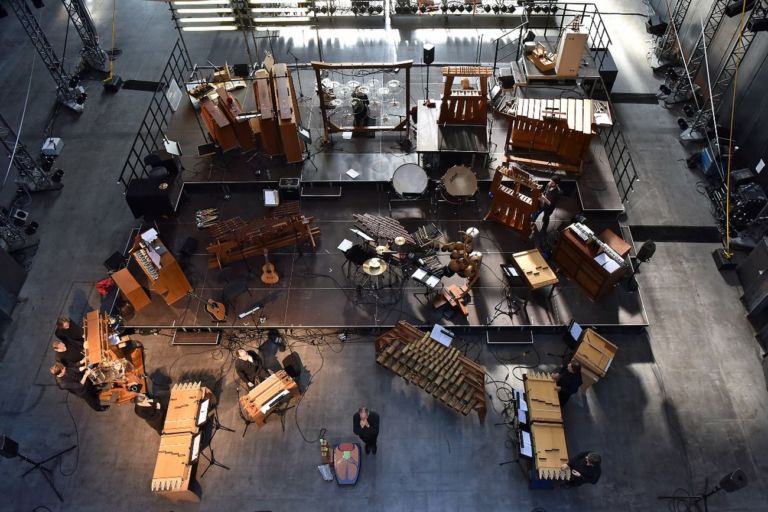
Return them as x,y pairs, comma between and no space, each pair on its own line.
189,408
116,363
278,389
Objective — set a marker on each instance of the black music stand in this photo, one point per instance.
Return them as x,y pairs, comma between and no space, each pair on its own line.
216,426
46,472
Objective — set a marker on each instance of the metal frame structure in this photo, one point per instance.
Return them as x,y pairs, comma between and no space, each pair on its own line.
668,43
155,120
329,127
91,53
684,86
706,115
68,92
31,176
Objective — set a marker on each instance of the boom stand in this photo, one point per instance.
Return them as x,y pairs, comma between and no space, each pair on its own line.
216,426
47,473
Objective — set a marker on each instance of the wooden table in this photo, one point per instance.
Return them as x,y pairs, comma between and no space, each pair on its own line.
549,451
595,355
534,269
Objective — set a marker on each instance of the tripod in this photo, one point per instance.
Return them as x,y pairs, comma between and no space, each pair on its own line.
216,426
296,70
47,473
281,412
693,501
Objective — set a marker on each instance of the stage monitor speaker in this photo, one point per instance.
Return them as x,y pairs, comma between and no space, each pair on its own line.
293,366
146,198
734,481
654,25
429,54
8,447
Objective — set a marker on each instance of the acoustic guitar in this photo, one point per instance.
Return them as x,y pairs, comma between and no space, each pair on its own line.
217,310
268,272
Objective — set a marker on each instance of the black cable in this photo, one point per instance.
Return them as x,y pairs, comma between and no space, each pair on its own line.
77,442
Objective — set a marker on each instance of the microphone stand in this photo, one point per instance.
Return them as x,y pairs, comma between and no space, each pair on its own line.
296,70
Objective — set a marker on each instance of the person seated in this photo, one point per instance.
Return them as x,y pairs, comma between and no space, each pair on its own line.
249,367
150,411
69,332
568,381
360,108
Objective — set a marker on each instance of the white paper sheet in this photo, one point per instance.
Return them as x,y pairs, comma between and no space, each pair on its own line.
352,173
345,245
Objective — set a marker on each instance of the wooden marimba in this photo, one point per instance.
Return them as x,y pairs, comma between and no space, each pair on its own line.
514,201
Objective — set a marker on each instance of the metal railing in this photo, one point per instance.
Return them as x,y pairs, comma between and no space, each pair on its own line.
155,120
622,167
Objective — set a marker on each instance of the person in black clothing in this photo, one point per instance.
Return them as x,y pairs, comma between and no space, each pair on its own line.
585,468
150,411
360,107
568,380
248,366
549,199
68,355
78,384
365,424
69,332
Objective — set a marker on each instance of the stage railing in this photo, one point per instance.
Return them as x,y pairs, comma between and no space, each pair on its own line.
155,120
622,166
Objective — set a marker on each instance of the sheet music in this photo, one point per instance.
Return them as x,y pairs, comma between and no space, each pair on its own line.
432,281
361,234
526,447
345,245
202,416
441,335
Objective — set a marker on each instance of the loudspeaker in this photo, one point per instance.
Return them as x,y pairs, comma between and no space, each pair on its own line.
429,54
655,25
8,447
162,158
293,366
146,198
734,481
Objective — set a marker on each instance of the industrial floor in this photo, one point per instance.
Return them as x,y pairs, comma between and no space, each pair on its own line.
683,402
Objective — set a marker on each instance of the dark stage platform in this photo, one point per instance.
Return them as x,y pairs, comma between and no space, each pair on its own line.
314,290
375,158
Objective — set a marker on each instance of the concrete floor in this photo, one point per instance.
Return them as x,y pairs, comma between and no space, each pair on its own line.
683,402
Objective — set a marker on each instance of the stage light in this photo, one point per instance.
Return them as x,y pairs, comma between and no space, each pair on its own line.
444,8
496,9
545,9
423,8
222,19
324,10
371,10
734,8
452,8
503,8
487,8
461,8
553,9
511,9
212,10
468,8
354,10
757,25
332,9
379,9
537,8
209,29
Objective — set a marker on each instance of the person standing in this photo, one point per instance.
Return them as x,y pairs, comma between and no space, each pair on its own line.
548,202
69,332
360,107
68,355
365,425
150,411
585,468
248,366
78,384
567,381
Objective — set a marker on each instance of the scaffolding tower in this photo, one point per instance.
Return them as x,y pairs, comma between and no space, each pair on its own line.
91,53
667,47
31,176
68,90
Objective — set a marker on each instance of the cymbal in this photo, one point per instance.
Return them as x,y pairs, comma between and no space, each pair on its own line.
375,266
382,249
399,240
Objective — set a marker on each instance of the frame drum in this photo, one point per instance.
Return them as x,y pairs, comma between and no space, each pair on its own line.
459,182
409,180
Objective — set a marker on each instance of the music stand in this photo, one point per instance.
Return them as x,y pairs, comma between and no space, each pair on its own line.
216,426
46,472
245,418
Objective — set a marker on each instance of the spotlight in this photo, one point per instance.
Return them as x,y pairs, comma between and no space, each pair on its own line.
371,10
519,2
444,8
511,9
757,25
423,8
379,9
332,9
461,8
496,9
468,8
734,8
324,10
553,9
452,8
487,8
529,9
503,8
354,10
688,110
545,9
682,123
537,8
665,90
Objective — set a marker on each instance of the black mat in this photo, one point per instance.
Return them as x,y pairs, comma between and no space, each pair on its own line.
632,97
143,85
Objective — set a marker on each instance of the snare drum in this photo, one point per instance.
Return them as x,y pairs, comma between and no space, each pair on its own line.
459,182
409,180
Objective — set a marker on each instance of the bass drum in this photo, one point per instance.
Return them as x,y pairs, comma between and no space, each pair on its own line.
409,181
459,183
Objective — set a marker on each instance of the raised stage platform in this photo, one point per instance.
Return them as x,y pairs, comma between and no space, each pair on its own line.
314,290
